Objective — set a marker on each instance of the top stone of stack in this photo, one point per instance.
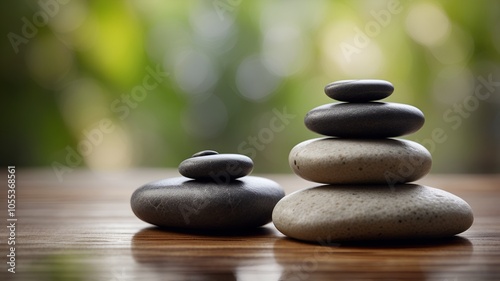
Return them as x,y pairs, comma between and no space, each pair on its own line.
209,165
360,115
359,90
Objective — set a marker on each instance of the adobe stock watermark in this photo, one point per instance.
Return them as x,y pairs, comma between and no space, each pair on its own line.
122,275
233,169
303,270
230,172
225,6
94,136
362,38
195,207
39,19
407,166
251,146
11,219
266,135
453,116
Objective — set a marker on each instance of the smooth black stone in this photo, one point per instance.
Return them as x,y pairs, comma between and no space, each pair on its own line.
359,90
184,203
205,153
216,167
364,120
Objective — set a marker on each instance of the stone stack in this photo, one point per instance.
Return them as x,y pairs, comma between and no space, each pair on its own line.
367,172
215,192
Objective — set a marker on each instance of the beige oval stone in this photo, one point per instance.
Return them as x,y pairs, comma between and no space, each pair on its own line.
354,161
371,212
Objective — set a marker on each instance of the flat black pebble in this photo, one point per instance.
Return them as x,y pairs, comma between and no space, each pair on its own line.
184,203
359,90
216,167
364,120
205,153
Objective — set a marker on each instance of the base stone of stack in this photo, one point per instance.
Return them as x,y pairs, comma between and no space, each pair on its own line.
371,212
180,202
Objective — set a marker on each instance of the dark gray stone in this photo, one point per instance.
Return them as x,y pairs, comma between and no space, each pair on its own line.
364,120
184,203
205,153
359,90
216,167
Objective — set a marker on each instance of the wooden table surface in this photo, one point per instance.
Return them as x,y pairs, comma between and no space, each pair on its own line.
83,229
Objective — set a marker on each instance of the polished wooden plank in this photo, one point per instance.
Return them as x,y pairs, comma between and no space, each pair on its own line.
83,229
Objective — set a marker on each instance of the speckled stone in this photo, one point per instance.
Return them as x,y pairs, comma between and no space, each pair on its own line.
183,203
359,90
209,165
364,120
371,212
356,161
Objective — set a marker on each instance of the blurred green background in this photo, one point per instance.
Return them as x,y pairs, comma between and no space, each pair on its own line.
146,83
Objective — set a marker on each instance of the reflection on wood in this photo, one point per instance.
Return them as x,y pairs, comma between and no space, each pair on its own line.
83,229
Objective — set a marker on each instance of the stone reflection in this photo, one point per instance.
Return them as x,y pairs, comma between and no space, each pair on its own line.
195,255
387,260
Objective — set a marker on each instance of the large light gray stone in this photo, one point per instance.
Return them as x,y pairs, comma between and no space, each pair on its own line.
371,212
352,161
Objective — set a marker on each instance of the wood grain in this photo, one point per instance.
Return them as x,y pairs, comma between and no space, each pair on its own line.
83,229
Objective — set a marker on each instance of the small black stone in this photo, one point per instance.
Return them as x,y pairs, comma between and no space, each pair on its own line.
207,165
184,203
205,153
364,120
359,90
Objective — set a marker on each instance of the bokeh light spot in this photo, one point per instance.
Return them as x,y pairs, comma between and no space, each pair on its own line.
195,73
457,48
76,100
208,24
254,81
113,152
284,50
452,85
70,16
427,24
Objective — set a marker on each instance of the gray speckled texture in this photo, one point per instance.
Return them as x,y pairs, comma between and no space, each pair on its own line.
364,120
184,203
359,90
352,161
371,212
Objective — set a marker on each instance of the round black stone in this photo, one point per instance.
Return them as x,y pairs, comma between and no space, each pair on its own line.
364,120
359,90
216,167
184,203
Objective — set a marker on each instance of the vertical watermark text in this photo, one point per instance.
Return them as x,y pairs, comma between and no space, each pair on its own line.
11,219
